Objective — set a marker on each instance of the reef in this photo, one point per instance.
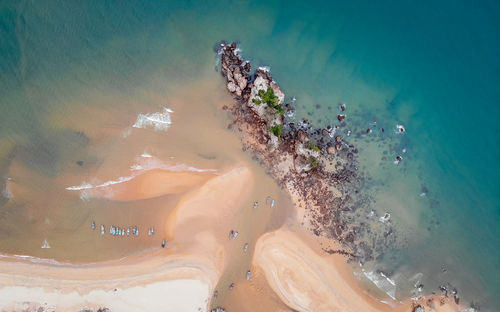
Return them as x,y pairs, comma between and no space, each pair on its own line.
317,166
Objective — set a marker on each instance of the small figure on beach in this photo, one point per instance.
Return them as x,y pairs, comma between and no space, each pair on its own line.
163,243
151,231
93,225
268,200
248,275
231,286
245,248
102,229
233,234
272,203
255,205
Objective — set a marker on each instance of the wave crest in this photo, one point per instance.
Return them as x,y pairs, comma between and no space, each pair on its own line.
160,121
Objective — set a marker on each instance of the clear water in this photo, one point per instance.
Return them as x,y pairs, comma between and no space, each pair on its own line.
432,67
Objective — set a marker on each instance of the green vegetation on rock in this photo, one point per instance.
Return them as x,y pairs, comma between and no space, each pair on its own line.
256,101
277,130
270,99
312,145
314,162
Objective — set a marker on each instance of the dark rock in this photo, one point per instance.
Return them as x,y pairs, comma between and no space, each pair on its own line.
341,117
79,163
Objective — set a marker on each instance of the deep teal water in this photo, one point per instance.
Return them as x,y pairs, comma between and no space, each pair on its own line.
432,66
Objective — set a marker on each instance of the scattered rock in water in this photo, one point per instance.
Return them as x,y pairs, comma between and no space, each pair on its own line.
424,191
418,308
328,215
338,139
400,128
385,217
398,160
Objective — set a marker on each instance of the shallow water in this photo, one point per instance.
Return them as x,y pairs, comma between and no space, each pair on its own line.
75,76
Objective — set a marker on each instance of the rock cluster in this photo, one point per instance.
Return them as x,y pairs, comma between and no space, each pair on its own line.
312,164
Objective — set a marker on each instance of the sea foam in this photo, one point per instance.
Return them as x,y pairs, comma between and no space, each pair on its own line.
160,121
382,282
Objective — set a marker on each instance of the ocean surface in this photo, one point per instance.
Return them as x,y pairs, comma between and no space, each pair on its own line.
430,66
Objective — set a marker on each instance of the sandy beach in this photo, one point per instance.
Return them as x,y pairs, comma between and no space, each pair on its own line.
195,192
183,276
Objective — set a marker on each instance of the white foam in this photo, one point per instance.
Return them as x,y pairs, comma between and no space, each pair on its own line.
6,192
45,244
144,163
265,68
126,132
160,121
87,186
382,282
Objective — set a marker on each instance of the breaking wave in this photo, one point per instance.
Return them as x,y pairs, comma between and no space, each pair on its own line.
143,163
382,282
160,121
86,186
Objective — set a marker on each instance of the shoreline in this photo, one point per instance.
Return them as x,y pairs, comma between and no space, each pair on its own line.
209,206
300,158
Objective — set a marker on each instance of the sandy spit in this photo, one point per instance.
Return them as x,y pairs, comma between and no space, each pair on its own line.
180,277
309,281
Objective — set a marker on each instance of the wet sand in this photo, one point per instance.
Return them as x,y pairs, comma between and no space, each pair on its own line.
194,211
323,282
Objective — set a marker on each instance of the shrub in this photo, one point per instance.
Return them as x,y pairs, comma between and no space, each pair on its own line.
314,162
270,99
312,145
277,130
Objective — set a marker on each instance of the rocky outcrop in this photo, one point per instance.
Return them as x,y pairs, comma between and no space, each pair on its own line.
312,164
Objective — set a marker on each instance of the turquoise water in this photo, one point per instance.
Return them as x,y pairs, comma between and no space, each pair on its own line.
432,67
